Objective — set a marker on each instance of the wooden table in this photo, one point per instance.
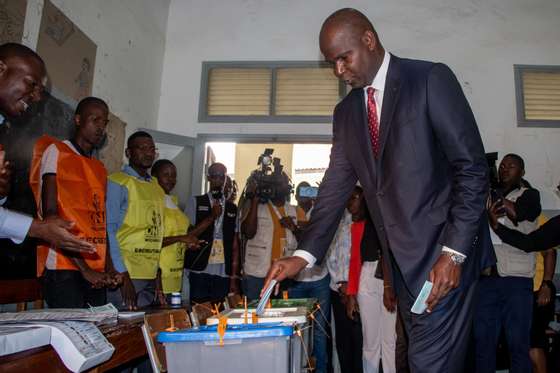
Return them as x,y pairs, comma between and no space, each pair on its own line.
126,337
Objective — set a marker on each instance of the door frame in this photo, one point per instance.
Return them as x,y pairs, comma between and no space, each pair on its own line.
202,139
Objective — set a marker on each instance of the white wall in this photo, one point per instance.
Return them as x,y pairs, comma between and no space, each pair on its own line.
479,39
130,38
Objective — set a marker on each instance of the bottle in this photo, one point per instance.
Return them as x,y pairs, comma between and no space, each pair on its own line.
176,300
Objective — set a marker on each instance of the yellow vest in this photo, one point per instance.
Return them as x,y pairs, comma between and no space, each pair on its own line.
172,257
141,233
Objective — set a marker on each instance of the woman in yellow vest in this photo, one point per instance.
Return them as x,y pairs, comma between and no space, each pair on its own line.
175,237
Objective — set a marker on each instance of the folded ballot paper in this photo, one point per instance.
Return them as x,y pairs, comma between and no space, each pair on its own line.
266,296
420,304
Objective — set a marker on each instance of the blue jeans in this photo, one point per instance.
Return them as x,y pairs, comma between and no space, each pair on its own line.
503,302
317,289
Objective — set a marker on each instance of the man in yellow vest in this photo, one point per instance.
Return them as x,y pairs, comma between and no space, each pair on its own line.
135,210
69,183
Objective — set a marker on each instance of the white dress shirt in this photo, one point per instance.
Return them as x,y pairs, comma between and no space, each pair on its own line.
13,225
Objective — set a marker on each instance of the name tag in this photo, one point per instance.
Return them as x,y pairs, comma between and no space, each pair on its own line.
217,253
203,208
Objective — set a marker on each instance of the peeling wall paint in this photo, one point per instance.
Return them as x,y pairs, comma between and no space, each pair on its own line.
130,38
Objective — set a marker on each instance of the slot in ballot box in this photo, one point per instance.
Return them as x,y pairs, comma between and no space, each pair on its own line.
308,303
246,348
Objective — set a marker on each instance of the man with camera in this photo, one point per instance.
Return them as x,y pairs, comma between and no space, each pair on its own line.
269,228
506,289
214,268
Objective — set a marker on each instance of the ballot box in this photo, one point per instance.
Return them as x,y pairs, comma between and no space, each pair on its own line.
245,348
296,316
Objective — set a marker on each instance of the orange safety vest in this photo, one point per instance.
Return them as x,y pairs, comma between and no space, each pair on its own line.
81,186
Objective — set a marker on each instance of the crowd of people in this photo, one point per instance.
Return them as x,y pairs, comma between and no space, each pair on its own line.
363,248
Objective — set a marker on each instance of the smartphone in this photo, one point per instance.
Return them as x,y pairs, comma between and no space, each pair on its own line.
309,192
496,196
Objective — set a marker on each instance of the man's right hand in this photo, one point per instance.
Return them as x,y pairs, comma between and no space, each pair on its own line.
57,231
192,242
96,279
216,211
128,292
284,268
495,211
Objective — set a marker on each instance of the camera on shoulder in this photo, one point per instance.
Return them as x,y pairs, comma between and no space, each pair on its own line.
270,180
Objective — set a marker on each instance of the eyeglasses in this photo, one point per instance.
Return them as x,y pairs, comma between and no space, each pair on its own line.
216,174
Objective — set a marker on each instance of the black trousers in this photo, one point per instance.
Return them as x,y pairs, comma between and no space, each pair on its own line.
438,341
204,287
401,348
69,289
348,337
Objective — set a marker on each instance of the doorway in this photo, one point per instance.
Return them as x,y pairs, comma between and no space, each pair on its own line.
300,161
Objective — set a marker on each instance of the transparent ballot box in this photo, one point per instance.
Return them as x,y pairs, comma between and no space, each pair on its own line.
271,348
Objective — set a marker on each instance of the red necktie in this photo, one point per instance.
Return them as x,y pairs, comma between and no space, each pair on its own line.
373,122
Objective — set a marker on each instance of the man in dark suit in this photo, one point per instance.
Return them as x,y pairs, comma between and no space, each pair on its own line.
407,133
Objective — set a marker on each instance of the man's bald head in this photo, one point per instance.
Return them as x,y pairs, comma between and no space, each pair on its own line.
351,20
349,41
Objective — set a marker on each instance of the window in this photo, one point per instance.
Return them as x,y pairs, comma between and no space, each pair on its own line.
282,92
537,91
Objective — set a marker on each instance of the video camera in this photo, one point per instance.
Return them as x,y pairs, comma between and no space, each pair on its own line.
269,177
496,193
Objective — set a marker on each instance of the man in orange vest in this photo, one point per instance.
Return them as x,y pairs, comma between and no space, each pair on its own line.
22,80
68,182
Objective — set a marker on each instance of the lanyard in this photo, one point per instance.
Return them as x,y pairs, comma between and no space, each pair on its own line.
276,212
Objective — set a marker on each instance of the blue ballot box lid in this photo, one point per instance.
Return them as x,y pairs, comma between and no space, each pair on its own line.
243,331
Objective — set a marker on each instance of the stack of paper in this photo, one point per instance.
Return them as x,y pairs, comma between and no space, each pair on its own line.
97,314
17,338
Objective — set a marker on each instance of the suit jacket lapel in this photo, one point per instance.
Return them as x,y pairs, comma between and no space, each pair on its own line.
390,99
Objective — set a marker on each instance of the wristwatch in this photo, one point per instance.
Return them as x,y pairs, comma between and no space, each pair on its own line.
457,259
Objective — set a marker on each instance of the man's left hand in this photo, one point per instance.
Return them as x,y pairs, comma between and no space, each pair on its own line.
444,276
389,298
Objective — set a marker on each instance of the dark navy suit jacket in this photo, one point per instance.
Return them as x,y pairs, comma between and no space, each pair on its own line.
427,187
